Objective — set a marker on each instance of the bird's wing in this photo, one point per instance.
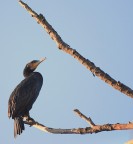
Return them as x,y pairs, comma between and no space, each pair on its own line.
24,95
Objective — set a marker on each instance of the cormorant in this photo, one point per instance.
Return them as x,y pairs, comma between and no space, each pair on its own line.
24,95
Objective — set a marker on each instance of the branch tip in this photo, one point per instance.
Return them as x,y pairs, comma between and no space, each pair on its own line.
88,120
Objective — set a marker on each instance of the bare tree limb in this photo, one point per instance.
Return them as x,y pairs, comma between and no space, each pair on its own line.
88,130
66,48
88,120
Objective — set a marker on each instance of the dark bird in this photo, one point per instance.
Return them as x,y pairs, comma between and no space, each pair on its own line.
24,95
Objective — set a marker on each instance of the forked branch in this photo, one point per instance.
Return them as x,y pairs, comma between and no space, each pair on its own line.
88,130
66,48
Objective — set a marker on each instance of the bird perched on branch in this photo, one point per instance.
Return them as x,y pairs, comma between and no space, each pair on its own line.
24,95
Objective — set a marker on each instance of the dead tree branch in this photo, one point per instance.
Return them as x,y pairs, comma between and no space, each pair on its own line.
66,48
88,120
88,130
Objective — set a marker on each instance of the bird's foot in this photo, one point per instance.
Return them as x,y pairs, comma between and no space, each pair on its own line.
28,119
31,120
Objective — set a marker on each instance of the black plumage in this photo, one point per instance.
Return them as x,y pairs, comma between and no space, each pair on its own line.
24,95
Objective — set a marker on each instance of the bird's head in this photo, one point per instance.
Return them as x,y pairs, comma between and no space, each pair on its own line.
31,66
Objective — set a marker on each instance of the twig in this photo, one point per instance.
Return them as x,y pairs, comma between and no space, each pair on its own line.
66,48
88,120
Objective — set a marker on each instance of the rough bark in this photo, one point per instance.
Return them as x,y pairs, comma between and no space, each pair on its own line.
86,62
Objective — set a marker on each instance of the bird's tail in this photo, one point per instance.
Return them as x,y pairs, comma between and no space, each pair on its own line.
18,126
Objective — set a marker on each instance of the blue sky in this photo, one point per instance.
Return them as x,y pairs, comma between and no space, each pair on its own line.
101,30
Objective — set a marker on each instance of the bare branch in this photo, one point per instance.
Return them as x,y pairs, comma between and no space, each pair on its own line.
66,48
88,120
88,130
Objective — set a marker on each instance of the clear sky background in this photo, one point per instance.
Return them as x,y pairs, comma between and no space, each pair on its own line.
102,31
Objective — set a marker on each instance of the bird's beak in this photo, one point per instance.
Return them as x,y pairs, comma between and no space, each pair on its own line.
41,60
34,66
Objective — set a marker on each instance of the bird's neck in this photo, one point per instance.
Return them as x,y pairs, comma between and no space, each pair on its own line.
27,72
